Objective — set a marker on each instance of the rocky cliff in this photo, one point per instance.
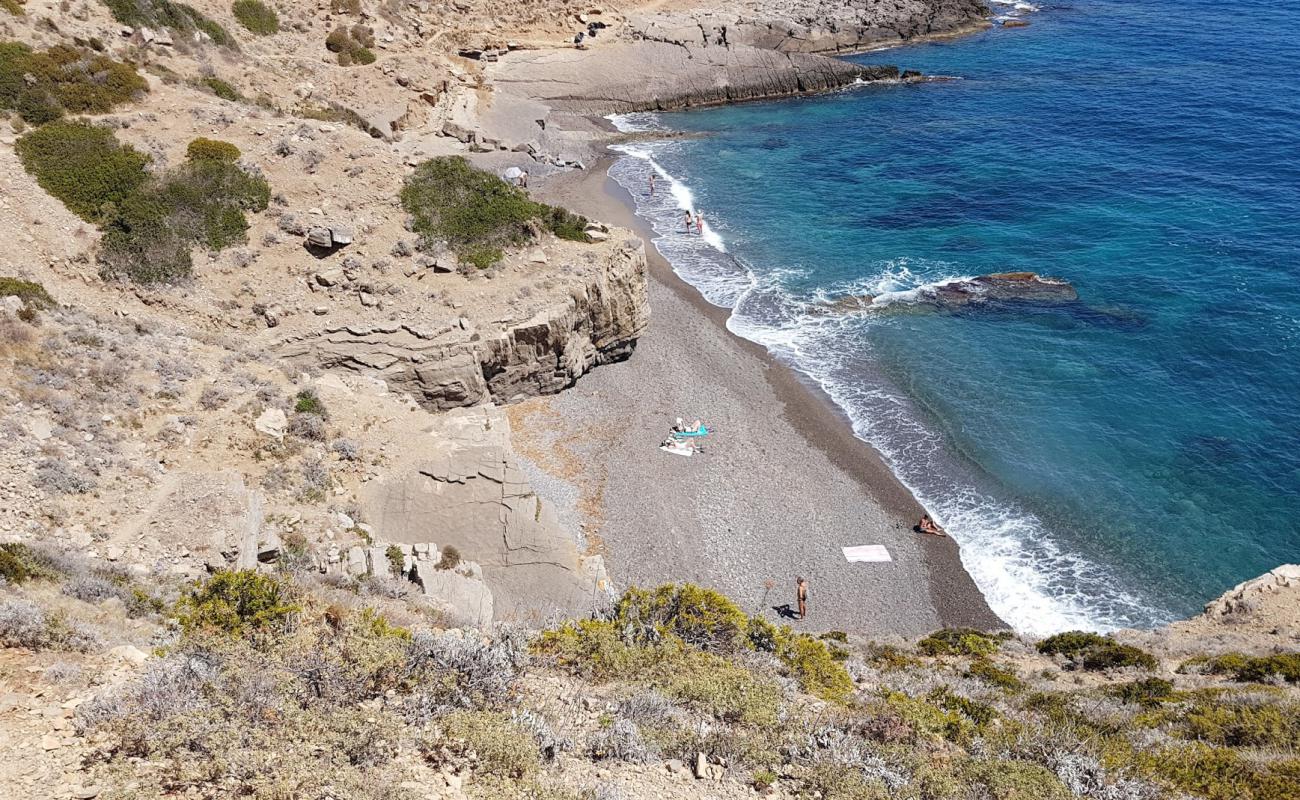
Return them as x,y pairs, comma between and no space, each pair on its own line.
812,26
488,352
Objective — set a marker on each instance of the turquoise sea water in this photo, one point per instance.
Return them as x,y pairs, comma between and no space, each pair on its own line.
1115,463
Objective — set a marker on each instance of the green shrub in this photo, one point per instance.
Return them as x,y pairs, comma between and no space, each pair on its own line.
308,402
727,691
203,201
1147,692
256,16
814,665
1219,773
504,749
565,224
19,564
835,781
43,86
13,7
1239,724
167,14
352,45
593,649
396,559
926,719
960,642
1070,643
1113,655
1014,780
981,714
1095,653
700,617
202,148
222,89
237,602
476,213
352,7
887,657
31,293
84,166
1248,669
765,636
1001,677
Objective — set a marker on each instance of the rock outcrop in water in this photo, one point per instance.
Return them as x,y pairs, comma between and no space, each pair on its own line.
999,287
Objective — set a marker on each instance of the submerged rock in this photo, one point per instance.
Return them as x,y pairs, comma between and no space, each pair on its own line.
1004,287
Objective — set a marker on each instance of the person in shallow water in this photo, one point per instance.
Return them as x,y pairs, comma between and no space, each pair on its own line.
801,595
699,223
688,220
652,184
927,525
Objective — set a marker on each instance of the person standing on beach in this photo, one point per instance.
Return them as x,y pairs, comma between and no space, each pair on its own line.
688,220
801,595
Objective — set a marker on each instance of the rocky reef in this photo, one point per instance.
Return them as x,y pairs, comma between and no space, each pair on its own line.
999,287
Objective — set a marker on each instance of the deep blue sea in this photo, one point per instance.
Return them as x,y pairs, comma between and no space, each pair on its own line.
1114,463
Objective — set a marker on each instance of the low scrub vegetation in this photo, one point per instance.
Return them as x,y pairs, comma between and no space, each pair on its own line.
256,16
682,629
32,294
222,89
14,7
477,214
201,202
1249,669
271,687
961,642
84,166
235,603
1095,653
352,45
202,149
150,222
167,14
43,86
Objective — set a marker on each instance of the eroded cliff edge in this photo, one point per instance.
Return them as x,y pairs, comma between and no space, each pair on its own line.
591,307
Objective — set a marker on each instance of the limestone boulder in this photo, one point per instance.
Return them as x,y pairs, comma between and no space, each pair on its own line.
272,422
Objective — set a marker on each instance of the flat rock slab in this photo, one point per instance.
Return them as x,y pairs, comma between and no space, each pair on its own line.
471,494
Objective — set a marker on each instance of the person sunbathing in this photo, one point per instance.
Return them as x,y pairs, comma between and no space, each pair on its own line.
928,525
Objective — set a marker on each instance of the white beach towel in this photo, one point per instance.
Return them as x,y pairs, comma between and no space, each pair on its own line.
866,553
678,451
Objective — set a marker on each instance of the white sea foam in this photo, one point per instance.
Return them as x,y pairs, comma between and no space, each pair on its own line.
701,257
1027,579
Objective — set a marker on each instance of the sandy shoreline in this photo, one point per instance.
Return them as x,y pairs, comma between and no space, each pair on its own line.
782,487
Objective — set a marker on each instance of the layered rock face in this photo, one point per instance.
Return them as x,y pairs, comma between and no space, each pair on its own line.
462,361
813,26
